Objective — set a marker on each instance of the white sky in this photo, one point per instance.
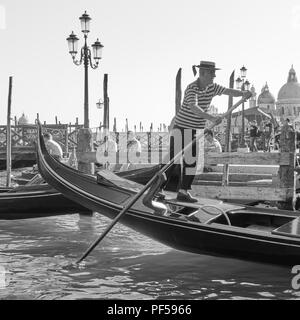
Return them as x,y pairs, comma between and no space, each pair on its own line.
145,43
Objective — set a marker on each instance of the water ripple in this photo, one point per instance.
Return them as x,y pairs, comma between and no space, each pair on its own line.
39,259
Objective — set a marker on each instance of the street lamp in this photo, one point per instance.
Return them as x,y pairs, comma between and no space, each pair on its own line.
243,85
85,58
99,106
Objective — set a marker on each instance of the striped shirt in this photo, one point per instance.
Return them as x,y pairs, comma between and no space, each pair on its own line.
185,117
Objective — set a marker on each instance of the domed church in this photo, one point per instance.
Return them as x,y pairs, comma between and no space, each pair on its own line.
266,100
265,105
288,101
23,119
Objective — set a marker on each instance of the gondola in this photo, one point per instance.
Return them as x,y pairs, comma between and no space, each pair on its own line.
34,201
41,200
5,189
210,227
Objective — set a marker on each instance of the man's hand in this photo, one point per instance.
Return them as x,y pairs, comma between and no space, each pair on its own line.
247,94
217,120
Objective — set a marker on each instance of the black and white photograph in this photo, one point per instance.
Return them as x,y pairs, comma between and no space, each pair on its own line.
149,153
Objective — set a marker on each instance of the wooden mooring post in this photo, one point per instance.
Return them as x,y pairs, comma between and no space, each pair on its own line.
106,105
115,125
160,146
225,178
149,146
8,136
286,173
178,91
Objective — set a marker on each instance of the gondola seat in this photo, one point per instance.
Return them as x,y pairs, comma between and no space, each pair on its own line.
289,229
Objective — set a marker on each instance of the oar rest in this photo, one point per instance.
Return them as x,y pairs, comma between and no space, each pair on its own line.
290,229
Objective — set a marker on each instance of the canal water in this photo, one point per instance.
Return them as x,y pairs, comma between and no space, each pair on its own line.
37,262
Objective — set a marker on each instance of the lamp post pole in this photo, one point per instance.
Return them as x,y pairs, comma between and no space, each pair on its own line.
243,120
243,85
85,136
86,84
85,58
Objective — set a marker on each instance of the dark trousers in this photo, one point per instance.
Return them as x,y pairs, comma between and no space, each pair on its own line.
267,142
253,146
182,173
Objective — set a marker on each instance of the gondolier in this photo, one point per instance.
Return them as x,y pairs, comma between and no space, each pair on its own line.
191,116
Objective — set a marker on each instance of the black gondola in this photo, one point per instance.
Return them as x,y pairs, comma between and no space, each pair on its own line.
41,200
207,227
36,201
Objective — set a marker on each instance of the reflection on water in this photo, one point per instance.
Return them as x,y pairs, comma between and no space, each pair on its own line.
39,254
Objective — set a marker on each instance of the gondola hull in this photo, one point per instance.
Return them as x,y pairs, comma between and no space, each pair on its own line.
36,201
109,194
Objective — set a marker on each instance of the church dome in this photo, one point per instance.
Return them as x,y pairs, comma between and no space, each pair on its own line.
252,89
266,96
291,90
23,119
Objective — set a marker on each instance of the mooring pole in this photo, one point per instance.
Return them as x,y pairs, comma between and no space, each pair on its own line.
115,125
225,178
126,125
106,105
106,114
8,136
178,93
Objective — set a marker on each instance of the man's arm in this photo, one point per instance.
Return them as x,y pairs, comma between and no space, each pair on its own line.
217,120
200,112
237,93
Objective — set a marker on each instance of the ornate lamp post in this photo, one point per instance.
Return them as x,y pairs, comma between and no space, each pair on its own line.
85,58
243,85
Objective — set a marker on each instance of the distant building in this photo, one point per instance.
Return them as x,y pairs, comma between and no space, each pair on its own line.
266,100
23,119
288,101
252,100
264,106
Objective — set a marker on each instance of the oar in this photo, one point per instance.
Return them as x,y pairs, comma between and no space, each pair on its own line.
148,185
